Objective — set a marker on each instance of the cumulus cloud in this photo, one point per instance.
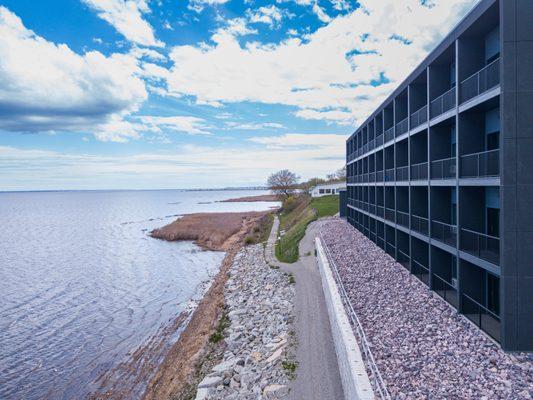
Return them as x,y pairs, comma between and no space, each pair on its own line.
186,124
48,87
347,66
270,15
199,5
126,16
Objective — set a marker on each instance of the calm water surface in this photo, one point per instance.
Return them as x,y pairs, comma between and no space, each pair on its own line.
82,285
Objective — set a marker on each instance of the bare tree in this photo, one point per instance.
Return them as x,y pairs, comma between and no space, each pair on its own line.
283,183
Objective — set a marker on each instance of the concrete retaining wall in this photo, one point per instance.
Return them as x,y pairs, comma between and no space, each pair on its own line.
355,382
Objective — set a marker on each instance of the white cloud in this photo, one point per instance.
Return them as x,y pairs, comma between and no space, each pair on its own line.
48,87
320,13
254,126
270,15
126,16
186,124
199,5
181,167
332,73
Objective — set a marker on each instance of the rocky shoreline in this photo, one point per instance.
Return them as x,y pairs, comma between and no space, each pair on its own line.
258,361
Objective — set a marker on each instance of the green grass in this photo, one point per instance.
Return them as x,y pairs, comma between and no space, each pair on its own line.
261,231
326,205
295,222
223,324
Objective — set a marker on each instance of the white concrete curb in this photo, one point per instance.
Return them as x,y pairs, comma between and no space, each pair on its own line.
354,378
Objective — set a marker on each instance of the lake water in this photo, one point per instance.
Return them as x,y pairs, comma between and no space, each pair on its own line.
82,285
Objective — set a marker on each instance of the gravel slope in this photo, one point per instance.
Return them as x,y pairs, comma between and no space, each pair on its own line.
424,349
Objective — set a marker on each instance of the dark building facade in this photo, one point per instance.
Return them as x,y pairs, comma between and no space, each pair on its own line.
441,175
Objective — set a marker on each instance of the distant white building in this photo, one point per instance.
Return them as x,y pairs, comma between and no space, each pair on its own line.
327,189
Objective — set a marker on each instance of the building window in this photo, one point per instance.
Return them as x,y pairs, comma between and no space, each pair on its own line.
321,191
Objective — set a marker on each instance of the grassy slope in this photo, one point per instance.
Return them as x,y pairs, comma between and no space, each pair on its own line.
295,223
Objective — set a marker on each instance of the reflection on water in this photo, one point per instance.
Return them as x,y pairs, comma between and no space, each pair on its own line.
82,285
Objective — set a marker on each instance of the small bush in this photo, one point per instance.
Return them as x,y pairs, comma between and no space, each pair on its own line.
249,240
223,324
292,281
290,368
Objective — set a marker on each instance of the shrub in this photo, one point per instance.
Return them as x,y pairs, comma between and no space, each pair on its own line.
249,240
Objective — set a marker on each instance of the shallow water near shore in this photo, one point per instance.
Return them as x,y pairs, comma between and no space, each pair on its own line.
83,286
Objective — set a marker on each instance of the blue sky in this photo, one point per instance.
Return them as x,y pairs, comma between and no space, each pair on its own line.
151,94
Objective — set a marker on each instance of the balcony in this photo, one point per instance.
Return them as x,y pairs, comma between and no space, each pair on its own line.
480,315
445,102
372,208
402,218
419,117
443,169
371,177
445,290
402,173
480,245
402,127
481,165
403,259
389,175
389,134
389,214
380,211
371,145
444,233
420,271
419,171
480,82
420,224
379,140
379,176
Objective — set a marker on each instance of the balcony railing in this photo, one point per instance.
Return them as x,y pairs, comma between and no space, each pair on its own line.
480,245
402,173
372,208
420,271
389,175
445,102
480,315
389,134
389,214
403,259
352,179
420,224
390,249
419,171
443,169
483,164
380,211
379,176
371,177
444,233
379,140
445,290
402,218
419,117
402,127
480,82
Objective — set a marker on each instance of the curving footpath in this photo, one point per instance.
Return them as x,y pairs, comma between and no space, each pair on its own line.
318,375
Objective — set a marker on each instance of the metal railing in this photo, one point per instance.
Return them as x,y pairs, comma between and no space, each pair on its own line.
389,175
480,315
379,385
443,103
389,134
379,176
371,144
420,271
480,245
352,179
482,164
402,127
419,171
389,214
419,117
444,233
443,169
420,224
372,208
445,290
371,177
402,218
403,259
379,140
380,211
480,82
390,249
402,173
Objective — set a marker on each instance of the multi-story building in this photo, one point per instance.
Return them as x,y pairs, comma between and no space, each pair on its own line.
440,176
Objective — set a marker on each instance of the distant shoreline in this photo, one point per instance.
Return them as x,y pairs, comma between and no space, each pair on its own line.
250,199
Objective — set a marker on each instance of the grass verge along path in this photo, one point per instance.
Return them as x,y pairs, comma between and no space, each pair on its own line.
295,221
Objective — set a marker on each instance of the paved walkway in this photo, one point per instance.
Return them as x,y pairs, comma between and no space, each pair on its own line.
318,373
